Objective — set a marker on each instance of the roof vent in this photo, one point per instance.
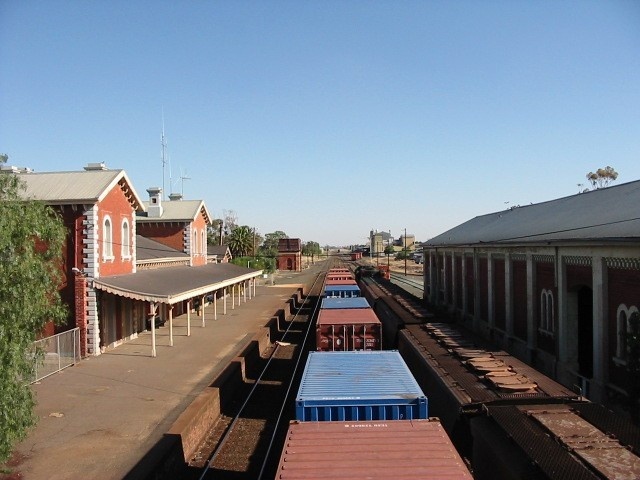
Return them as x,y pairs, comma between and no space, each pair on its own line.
155,209
175,196
95,166
14,169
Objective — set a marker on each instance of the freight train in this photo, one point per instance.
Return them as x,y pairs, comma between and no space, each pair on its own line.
361,414
346,321
359,411
510,420
506,419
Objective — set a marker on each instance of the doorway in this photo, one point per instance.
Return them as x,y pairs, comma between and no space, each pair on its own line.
585,332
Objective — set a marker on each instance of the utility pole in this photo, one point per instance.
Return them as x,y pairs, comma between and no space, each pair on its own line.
405,252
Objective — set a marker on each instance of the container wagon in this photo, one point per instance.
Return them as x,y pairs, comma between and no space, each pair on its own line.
339,270
355,386
464,377
417,449
337,302
581,441
345,324
341,288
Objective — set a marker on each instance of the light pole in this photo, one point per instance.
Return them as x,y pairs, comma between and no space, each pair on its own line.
405,252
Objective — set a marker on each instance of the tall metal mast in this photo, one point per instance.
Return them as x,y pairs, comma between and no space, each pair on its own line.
163,143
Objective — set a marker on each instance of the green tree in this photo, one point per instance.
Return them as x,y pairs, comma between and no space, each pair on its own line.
214,232
240,241
267,265
311,249
388,250
269,247
31,240
602,177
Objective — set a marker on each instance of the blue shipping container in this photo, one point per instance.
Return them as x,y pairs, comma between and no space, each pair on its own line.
363,385
344,303
342,291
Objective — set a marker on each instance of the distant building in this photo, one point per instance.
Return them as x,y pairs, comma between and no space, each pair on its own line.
289,254
378,241
553,283
218,254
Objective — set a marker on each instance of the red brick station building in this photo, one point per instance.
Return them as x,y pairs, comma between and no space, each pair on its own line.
131,265
553,283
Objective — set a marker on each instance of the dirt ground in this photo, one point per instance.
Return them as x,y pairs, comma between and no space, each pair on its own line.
398,266
395,265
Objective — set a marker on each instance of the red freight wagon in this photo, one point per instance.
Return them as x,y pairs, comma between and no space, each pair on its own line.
339,276
408,449
329,281
348,329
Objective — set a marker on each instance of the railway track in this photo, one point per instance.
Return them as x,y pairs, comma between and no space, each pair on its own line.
246,441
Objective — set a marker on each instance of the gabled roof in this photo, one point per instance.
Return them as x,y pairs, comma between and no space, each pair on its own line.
81,187
610,213
286,245
219,250
147,249
183,211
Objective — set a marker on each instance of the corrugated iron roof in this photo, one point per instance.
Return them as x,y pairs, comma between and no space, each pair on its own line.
220,250
85,187
174,284
605,213
147,249
177,211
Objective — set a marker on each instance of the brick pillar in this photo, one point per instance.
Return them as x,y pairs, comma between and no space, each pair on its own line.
80,284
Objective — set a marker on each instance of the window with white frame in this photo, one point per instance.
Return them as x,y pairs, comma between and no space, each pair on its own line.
547,320
622,330
107,239
194,236
125,251
203,243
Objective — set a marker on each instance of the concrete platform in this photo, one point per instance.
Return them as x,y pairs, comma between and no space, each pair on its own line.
98,418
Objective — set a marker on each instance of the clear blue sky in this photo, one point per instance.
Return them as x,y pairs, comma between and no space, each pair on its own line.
325,119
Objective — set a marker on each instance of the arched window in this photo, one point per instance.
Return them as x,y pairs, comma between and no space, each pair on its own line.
194,249
550,313
547,320
126,240
623,328
203,243
107,240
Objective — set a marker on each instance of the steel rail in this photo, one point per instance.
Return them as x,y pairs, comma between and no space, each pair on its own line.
291,381
222,442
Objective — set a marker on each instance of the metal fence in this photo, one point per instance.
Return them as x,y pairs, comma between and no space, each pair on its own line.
60,351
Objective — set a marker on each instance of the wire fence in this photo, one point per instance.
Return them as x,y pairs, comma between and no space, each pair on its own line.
59,352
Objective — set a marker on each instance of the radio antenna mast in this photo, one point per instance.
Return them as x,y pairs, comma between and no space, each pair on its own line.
183,177
163,143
